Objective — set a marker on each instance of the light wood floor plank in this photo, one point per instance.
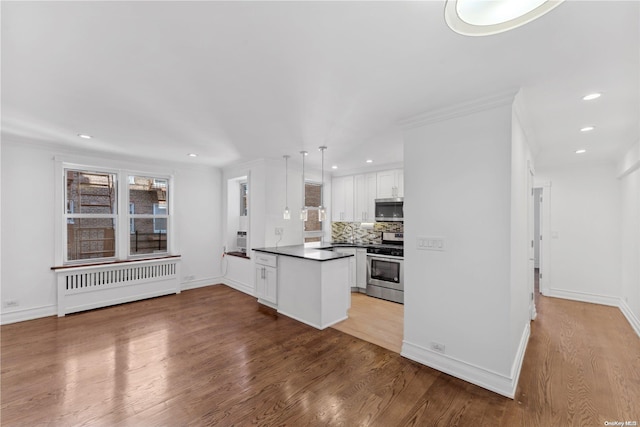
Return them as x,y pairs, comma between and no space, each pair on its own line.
375,320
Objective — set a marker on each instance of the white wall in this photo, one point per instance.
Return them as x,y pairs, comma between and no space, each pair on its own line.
522,264
458,175
266,179
629,177
28,238
584,249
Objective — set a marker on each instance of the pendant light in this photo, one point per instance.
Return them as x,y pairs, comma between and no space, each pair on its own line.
303,212
322,212
286,214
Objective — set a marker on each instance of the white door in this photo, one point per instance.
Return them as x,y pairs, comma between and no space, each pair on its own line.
531,235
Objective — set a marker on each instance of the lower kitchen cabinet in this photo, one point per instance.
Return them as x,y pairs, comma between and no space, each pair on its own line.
266,277
361,269
353,278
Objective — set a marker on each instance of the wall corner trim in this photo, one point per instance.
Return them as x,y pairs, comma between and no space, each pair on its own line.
485,378
28,314
200,283
458,110
631,317
583,297
242,287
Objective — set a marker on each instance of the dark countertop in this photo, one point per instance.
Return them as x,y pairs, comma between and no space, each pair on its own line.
299,251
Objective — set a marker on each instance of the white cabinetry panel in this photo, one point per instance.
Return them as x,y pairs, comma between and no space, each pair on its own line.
342,206
365,195
390,184
266,277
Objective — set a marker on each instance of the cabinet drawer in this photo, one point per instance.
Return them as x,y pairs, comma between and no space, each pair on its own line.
269,260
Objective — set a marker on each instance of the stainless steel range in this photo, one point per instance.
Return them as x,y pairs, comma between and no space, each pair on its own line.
385,272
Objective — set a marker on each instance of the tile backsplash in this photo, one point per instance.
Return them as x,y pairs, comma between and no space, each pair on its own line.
342,231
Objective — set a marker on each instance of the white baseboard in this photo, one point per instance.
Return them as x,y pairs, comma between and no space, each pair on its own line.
28,314
583,297
631,317
239,286
516,367
200,283
485,378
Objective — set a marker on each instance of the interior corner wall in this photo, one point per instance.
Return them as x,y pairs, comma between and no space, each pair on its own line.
521,279
630,224
584,249
28,236
457,187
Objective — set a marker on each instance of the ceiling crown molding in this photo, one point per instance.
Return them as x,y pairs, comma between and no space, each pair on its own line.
459,110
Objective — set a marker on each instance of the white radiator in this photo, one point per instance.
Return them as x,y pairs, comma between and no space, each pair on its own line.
87,287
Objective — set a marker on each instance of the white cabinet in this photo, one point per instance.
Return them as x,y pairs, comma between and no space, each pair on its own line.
365,189
390,184
352,264
342,195
361,268
266,276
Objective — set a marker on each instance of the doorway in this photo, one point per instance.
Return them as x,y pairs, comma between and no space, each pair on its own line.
537,237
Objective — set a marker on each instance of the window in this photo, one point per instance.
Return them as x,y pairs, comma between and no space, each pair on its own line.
149,221
90,214
312,226
244,198
108,215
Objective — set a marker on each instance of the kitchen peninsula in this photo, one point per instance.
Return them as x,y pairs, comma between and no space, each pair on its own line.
312,284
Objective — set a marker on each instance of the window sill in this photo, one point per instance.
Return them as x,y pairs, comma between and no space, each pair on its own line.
123,261
238,254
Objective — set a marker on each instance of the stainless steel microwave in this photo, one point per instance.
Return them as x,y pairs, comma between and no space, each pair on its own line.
390,209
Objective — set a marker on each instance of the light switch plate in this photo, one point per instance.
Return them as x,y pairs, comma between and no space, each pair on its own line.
430,243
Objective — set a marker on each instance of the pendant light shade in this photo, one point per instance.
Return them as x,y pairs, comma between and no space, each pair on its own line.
303,212
286,214
322,212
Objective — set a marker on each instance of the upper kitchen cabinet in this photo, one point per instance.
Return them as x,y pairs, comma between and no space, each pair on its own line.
365,195
390,184
342,191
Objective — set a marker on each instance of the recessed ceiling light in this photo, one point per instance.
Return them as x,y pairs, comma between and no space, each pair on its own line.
192,155
581,151
369,161
483,18
592,96
84,136
587,129
334,167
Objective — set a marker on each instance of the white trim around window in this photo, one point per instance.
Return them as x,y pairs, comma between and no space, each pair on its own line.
122,217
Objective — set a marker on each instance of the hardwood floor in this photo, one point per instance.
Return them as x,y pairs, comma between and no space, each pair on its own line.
374,320
213,356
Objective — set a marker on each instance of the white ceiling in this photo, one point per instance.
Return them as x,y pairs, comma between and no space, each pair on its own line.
236,81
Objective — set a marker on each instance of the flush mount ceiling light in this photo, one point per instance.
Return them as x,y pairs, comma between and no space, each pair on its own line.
369,161
581,151
334,167
587,129
84,136
486,17
592,96
192,155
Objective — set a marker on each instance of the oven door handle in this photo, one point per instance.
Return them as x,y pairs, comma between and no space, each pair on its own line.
385,257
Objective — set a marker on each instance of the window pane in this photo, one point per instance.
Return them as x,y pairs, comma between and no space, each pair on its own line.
312,194
91,238
145,192
90,192
244,199
145,239
312,223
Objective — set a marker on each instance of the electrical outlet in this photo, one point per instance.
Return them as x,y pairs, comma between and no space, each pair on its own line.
11,303
436,346
279,231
